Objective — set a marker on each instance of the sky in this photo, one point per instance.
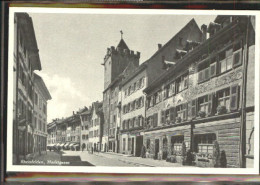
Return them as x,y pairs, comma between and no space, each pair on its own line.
72,48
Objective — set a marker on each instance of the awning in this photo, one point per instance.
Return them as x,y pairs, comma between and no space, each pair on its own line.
71,144
67,144
62,144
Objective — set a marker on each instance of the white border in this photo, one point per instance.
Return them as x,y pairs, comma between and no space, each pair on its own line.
100,169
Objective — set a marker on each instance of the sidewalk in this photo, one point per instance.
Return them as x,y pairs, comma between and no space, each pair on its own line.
138,161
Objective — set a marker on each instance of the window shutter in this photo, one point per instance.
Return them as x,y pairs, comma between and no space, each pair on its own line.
213,69
234,92
172,114
186,111
173,88
155,120
162,117
210,98
206,73
200,76
237,58
194,108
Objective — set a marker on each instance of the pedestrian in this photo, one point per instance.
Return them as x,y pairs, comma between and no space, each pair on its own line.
92,149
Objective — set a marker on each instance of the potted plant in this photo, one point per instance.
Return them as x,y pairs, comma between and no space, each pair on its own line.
221,109
178,119
183,153
202,114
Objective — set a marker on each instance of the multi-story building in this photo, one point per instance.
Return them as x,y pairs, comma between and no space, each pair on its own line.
115,62
137,79
41,96
52,132
85,117
206,97
95,128
26,60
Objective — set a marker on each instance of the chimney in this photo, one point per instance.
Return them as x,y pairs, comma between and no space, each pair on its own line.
73,112
204,32
159,46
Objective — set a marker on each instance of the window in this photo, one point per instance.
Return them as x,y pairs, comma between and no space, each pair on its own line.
194,108
237,58
133,105
134,87
158,97
182,111
224,98
149,121
205,143
204,104
155,120
182,83
172,89
150,101
176,142
140,122
129,144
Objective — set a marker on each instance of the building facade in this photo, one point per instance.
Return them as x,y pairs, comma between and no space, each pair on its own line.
137,79
203,98
86,121
95,128
115,62
26,60
41,96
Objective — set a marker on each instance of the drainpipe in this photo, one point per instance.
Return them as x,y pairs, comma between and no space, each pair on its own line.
242,152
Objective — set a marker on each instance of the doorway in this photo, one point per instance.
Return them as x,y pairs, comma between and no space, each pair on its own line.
157,145
133,144
139,144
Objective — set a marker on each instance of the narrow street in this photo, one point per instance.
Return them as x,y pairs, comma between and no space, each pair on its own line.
117,160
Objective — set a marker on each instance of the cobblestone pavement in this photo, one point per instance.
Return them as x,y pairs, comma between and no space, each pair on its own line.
111,159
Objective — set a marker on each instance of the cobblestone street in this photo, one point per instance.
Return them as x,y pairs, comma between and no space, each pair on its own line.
114,159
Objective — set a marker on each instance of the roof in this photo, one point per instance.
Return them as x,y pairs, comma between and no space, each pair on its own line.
39,81
26,24
122,44
190,56
192,21
98,106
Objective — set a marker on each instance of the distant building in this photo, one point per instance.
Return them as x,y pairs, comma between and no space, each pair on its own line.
205,97
86,122
137,79
26,60
41,96
115,62
96,127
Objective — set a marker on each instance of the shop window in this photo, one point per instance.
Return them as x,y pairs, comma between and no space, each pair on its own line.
176,142
182,111
204,143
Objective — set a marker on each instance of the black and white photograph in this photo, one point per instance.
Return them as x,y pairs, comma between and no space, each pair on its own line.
109,90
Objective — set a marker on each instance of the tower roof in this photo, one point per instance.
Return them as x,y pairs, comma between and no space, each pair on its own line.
122,44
